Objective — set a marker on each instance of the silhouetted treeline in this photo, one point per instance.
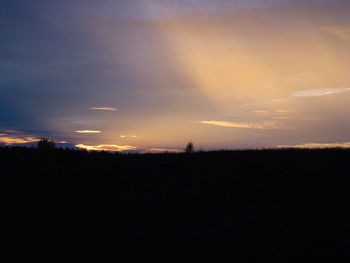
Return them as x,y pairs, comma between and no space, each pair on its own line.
224,206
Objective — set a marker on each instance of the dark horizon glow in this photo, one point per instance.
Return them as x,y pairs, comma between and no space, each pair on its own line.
153,75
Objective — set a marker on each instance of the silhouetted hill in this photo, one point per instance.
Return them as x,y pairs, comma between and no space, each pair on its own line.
224,206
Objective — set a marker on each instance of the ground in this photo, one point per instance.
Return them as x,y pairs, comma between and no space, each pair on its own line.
234,206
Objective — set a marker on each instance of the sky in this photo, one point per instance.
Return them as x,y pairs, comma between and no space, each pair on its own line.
149,76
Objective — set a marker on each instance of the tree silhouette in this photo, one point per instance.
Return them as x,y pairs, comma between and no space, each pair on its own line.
189,147
46,144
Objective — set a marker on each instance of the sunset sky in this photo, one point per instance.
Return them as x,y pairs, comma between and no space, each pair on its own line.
150,75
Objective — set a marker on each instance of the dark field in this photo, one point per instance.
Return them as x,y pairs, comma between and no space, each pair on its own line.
229,206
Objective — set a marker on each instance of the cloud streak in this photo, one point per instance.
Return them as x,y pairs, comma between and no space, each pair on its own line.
87,131
104,108
319,92
317,145
268,125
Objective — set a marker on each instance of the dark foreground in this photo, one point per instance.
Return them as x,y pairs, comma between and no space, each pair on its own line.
235,206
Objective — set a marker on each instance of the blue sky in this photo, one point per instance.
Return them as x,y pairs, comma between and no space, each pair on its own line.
225,74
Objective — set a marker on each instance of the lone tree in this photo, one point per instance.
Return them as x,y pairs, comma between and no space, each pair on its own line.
189,147
46,144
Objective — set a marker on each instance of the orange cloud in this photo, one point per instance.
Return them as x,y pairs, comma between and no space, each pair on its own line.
104,108
246,125
17,140
106,147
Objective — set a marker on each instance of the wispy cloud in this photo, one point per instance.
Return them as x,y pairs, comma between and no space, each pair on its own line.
106,147
10,131
285,111
262,112
87,131
273,112
340,31
245,125
284,115
103,108
317,145
128,136
319,92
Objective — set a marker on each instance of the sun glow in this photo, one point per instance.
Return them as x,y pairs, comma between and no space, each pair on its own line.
233,60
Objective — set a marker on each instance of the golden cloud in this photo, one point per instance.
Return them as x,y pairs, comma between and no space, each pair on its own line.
106,147
342,32
268,125
87,131
104,108
317,145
